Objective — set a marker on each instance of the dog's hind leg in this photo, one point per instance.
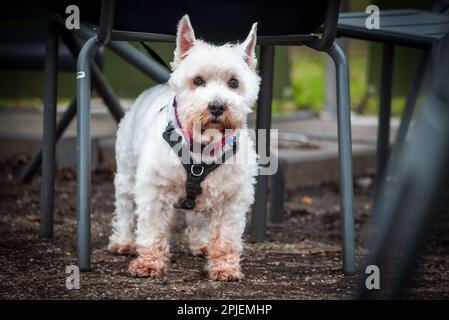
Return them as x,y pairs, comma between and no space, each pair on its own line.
198,232
122,239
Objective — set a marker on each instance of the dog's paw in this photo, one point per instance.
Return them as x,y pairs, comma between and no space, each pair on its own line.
224,267
232,274
143,267
122,249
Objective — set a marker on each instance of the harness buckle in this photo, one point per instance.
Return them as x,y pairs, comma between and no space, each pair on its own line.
196,173
188,204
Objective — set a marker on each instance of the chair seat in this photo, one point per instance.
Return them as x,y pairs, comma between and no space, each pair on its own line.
215,21
23,35
413,28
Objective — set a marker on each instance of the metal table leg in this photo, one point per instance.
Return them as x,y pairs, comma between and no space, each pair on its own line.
50,102
259,214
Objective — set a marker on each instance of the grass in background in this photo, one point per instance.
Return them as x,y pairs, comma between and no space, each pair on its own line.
358,55
308,75
308,80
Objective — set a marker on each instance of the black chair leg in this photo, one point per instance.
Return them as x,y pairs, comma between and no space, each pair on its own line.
412,97
277,196
83,95
383,130
345,158
49,135
406,119
259,214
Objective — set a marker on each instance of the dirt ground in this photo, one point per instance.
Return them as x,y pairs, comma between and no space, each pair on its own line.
300,260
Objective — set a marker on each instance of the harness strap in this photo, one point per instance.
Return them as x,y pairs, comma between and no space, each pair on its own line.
196,172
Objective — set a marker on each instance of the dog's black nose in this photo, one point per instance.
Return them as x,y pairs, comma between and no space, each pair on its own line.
216,108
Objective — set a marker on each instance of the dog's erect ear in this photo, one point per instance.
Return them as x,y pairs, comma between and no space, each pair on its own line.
249,47
185,38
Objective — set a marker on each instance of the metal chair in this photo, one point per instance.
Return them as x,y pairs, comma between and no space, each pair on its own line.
410,28
404,210
280,23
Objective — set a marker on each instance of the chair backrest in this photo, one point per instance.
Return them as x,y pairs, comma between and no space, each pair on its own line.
440,69
23,34
441,6
219,21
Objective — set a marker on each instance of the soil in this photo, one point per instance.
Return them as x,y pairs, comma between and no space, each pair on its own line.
298,260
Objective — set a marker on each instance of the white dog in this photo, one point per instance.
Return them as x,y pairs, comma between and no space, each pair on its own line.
210,92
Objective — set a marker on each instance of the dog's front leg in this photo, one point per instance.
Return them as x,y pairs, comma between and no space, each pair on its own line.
152,233
225,245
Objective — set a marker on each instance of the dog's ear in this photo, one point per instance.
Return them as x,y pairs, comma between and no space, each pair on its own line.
185,39
249,47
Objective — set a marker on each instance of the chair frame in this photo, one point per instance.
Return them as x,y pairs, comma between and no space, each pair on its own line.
403,226
390,41
107,36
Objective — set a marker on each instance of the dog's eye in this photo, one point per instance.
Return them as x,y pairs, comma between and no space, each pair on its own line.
199,82
233,83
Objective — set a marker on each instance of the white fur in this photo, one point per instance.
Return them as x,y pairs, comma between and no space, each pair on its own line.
150,178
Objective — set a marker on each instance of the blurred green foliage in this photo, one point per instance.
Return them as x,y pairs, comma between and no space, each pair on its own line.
308,76
307,79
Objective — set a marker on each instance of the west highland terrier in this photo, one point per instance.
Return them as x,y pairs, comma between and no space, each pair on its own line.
169,150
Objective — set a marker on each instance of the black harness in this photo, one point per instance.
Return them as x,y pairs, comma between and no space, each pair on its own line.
196,172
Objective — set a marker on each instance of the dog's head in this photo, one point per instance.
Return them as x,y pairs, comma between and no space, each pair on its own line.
216,86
